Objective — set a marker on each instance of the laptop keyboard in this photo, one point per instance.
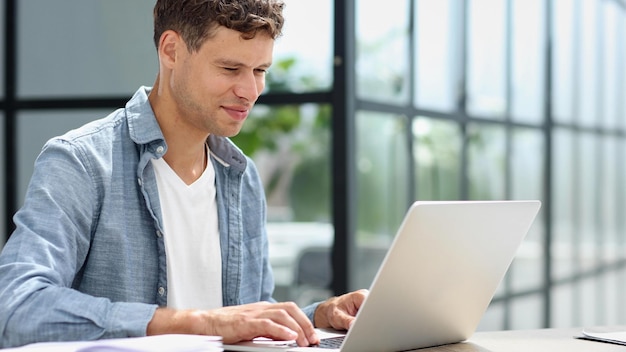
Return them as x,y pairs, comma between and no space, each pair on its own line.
331,342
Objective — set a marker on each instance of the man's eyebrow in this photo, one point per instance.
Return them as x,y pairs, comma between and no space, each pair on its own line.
232,63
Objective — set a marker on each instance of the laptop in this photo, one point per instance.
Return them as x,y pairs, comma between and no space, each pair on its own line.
436,280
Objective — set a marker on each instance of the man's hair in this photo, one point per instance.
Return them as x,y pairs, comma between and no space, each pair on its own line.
195,20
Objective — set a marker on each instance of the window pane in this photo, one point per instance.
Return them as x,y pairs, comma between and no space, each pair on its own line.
437,76
35,128
564,306
290,145
588,202
563,77
610,67
437,154
382,51
486,58
303,58
382,189
486,162
528,60
527,169
84,48
526,312
589,49
565,196
609,203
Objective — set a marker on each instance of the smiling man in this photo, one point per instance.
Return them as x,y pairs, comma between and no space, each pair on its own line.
150,221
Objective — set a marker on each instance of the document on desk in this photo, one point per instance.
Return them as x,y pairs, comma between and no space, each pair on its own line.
616,337
158,343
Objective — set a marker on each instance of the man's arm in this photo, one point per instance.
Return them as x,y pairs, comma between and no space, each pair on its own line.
38,264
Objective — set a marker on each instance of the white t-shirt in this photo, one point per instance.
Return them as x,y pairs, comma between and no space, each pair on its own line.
192,241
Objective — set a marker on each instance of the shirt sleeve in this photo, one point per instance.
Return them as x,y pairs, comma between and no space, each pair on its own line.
43,256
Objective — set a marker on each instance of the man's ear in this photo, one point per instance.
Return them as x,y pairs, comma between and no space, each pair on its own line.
169,43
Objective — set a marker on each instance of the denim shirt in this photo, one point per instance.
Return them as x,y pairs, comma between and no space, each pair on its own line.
87,258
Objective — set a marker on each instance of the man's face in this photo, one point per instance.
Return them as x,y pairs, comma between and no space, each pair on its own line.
215,88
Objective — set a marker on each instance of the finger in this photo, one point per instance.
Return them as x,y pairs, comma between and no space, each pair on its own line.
293,318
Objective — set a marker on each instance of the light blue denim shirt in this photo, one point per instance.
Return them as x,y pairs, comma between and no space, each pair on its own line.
87,258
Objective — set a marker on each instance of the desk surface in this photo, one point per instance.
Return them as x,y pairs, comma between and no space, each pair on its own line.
531,340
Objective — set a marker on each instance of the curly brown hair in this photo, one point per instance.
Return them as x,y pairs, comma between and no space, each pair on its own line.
194,20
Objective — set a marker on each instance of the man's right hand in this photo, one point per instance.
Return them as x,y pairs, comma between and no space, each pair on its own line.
277,321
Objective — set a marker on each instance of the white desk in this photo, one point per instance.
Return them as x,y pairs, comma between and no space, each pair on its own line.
541,340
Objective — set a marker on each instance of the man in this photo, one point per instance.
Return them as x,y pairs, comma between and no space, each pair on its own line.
151,221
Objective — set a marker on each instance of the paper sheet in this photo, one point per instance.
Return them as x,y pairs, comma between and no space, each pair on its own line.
159,343
617,337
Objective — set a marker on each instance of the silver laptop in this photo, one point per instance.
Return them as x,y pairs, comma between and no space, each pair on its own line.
437,279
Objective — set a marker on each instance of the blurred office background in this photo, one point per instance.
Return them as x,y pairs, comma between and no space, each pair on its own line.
370,106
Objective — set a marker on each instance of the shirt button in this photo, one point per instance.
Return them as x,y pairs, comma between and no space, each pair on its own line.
160,149
159,234
139,181
161,291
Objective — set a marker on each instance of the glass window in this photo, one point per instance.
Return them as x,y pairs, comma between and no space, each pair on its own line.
35,128
438,48
563,60
382,51
528,59
103,48
486,162
303,58
486,44
290,145
437,152
382,188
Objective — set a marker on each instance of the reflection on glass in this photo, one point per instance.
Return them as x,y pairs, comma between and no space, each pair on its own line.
564,252
562,60
33,131
437,74
382,51
486,162
84,48
308,53
382,188
528,60
437,153
526,178
486,58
